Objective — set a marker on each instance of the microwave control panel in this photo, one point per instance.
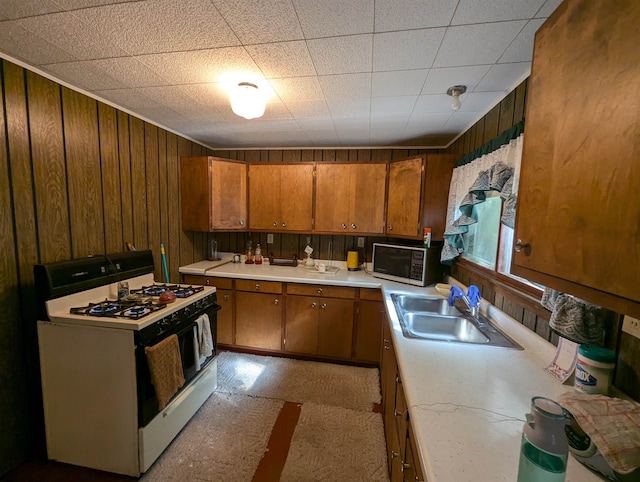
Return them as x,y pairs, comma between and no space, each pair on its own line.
417,264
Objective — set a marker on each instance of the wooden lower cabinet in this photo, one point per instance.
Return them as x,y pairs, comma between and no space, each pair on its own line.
225,298
370,318
259,320
402,456
319,326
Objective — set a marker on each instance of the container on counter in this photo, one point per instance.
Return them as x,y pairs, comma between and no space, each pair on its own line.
258,255
352,260
427,237
544,448
594,369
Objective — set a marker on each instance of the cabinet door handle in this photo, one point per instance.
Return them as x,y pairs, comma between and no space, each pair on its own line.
314,304
284,225
257,287
319,291
226,297
207,282
276,301
241,223
396,413
394,454
323,306
344,226
519,246
404,466
389,228
275,224
353,226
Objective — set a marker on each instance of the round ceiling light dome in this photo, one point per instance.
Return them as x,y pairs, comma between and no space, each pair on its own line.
247,101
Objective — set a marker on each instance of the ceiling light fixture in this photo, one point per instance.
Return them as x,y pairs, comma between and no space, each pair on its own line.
455,92
247,101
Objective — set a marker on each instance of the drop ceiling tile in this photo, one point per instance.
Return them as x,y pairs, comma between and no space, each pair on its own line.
412,14
282,59
261,21
346,86
84,75
353,137
67,33
385,137
390,106
480,101
548,8
127,98
521,49
130,69
340,55
504,77
420,124
476,44
352,123
439,80
157,26
209,94
297,89
397,82
24,45
330,18
479,11
393,122
433,104
316,124
203,66
413,49
307,109
462,120
12,9
169,96
77,4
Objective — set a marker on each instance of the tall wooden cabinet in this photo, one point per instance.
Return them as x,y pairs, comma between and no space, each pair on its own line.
350,198
578,205
404,204
281,197
213,194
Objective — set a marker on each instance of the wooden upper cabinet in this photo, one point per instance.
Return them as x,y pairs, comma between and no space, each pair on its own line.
281,197
404,204
213,194
578,208
350,198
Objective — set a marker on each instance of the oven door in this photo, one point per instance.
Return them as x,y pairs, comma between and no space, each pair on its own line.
147,401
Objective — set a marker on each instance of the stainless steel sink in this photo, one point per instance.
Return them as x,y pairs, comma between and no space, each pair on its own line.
431,318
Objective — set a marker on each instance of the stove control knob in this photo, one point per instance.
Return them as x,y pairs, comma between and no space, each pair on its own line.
187,312
165,323
175,317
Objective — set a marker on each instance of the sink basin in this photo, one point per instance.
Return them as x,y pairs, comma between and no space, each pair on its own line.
431,318
445,328
420,304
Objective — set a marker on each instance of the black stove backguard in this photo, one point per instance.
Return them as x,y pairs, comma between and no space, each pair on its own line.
53,280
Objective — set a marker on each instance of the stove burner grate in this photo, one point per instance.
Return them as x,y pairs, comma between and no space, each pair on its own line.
178,290
133,309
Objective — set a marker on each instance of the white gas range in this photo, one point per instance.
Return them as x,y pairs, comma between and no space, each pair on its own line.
101,409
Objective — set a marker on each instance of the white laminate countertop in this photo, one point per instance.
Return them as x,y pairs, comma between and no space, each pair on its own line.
467,403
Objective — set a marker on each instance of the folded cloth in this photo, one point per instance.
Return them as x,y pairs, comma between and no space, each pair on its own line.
197,358
613,425
549,298
206,338
165,365
578,320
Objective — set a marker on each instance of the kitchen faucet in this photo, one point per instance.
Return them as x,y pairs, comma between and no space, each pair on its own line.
471,299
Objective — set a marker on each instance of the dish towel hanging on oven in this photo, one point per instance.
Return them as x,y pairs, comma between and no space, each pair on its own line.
165,365
203,340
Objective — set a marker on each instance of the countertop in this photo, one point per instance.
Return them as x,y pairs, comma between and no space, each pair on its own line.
467,403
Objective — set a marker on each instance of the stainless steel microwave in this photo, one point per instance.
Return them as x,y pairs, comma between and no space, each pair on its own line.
405,264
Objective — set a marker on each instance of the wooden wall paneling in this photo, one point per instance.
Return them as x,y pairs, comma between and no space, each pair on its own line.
138,183
520,101
153,195
309,155
49,170
364,155
186,238
124,153
491,121
286,245
399,154
529,320
291,155
507,107
252,156
111,190
381,155
13,407
274,155
173,212
479,133
341,155
163,191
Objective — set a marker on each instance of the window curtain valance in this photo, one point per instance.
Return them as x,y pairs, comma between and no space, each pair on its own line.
492,167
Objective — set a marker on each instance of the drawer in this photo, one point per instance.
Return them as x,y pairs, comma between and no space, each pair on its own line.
259,286
194,279
372,294
322,291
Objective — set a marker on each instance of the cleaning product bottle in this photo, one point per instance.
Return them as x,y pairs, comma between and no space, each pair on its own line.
258,255
544,448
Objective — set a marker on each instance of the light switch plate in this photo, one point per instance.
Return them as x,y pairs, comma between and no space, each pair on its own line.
269,238
360,242
631,325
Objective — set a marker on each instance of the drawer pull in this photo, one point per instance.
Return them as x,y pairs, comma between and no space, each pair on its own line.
241,223
323,306
319,291
276,301
207,282
275,224
257,287
226,297
314,304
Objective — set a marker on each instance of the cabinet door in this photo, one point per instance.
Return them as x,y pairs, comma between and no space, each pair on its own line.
264,196
296,197
259,320
367,203
301,325
333,193
335,328
413,468
371,316
195,193
404,205
228,195
225,316
578,206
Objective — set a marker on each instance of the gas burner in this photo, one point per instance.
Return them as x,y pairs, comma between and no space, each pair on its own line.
105,308
179,291
136,312
132,309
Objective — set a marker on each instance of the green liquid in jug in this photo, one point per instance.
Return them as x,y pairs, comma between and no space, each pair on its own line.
536,465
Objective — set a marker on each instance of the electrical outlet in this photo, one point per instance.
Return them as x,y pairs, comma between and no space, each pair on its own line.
631,325
360,242
269,238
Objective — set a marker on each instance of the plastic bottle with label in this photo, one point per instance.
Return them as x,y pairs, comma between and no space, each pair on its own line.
258,255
